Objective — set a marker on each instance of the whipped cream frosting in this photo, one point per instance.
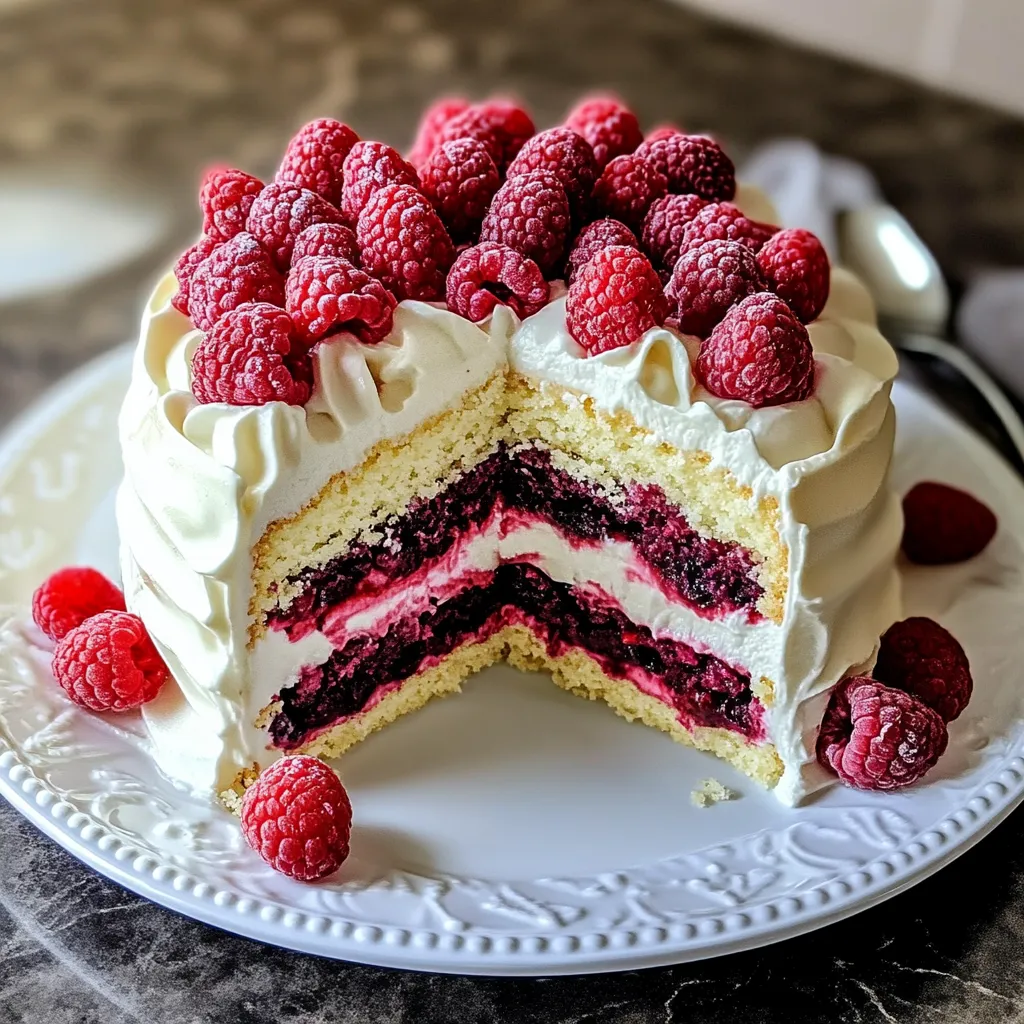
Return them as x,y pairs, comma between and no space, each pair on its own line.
202,483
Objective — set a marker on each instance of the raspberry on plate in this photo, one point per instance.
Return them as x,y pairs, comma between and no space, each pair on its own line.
568,156
692,163
315,156
597,235
226,196
326,240
328,294
919,656
488,275
759,353
236,272
724,220
428,132
877,738
281,212
795,267
665,225
185,268
248,358
502,126
109,663
709,280
298,818
626,189
608,125
68,597
615,299
368,167
530,213
403,243
944,524
460,179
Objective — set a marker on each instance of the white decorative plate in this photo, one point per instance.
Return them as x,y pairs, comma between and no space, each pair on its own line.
516,829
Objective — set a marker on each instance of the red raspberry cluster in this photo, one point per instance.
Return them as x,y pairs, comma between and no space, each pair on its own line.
104,659
888,731
350,227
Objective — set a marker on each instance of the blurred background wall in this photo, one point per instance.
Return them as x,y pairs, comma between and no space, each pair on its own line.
971,47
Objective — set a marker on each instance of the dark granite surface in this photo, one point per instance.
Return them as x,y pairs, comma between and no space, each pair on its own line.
142,95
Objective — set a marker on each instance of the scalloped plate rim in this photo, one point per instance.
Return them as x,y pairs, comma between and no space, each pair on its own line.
263,924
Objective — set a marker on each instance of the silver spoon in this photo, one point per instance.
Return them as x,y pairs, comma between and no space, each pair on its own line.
878,244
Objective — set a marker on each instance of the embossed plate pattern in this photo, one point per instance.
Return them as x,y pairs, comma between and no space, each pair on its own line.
515,830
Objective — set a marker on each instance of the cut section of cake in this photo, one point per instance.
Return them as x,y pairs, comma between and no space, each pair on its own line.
459,494
343,496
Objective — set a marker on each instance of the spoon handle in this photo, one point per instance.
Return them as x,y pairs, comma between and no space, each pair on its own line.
983,383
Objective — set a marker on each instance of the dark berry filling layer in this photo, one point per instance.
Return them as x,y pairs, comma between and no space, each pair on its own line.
712,577
703,689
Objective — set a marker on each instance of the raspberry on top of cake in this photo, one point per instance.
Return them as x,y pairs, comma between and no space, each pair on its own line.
568,398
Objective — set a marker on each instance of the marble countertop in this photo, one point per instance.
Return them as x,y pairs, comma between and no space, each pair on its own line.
132,100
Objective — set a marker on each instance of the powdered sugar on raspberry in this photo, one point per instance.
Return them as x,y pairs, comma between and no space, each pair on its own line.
487,275
877,738
530,213
370,166
236,272
403,243
248,358
328,294
608,125
615,299
315,156
759,353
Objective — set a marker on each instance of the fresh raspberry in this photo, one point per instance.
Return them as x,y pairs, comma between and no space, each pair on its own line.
186,267
943,524
298,818
759,353
626,189
326,240
692,163
530,213
249,357
597,235
281,213
236,272
460,180
723,220
795,266
615,299
874,737
69,596
434,118
488,275
568,156
610,127
403,243
919,656
662,131
109,663
501,126
368,167
708,280
226,196
328,294
315,155
665,225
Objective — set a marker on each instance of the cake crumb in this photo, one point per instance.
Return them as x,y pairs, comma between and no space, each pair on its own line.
711,791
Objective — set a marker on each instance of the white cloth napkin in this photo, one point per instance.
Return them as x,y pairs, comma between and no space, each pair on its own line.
810,189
